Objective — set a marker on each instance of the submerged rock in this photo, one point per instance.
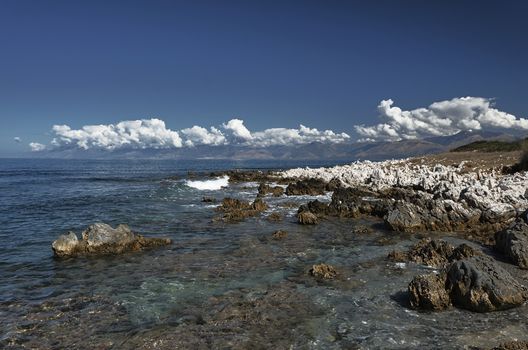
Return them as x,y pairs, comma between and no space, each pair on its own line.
101,238
428,292
479,284
513,242
323,271
307,218
279,234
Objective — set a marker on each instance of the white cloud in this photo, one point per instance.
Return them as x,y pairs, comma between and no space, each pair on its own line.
37,147
145,133
239,130
152,133
439,119
17,139
201,136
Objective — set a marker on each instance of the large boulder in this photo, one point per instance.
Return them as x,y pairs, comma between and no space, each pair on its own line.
405,217
480,284
428,292
513,242
100,238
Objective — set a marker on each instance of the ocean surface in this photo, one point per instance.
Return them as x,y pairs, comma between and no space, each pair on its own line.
218,285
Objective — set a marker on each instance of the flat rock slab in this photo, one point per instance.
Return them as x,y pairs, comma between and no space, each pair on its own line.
102,239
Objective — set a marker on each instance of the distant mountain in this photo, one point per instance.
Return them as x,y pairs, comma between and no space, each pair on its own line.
312,151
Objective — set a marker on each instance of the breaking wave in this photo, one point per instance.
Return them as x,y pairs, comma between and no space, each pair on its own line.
210,185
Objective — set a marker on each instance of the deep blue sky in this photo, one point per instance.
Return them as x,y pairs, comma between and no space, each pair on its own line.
325,64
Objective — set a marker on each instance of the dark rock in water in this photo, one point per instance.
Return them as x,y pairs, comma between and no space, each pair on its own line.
323,271
433,252
236,210
428,292
479,284
513,242
279,234
362,230
101,238
275,217
307,218
208,200
229,204
265,189
310,187
259,205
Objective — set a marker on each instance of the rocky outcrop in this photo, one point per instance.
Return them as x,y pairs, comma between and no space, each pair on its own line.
100,239
323,271
513,242
414,197
307,218
275,191
428,292
433,252
235,210
310,187
477,283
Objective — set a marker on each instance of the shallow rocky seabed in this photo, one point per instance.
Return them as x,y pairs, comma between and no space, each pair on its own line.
233,285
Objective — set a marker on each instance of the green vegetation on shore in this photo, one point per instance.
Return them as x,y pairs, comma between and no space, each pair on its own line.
492,146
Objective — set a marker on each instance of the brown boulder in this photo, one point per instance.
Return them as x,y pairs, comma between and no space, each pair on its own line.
323,271
307,218
428,292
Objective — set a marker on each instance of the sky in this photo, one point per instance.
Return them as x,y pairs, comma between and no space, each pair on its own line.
370,70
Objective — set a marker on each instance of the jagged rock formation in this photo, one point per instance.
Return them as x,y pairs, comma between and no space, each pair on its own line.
513,242
100,239
235,210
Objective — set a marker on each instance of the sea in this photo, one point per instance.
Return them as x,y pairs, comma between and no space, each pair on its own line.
218,285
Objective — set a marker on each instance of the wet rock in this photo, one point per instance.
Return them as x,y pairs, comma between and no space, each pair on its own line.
265,189
310,187
275,217
208,200
279,234
307,218
259,205
513,242
433,252
480,284
362,230
323,271
101,238
428,292
236,210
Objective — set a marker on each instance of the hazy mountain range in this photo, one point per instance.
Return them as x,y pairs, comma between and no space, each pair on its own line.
312,151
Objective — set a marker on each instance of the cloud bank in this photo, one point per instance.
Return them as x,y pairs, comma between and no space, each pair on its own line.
154,134
439,119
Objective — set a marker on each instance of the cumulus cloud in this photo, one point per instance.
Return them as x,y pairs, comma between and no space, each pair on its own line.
439,119
17,139
37,147
153,133
145,133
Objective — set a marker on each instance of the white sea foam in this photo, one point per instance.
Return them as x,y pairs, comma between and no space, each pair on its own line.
210,185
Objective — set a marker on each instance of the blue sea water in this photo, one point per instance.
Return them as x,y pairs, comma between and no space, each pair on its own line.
213,285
